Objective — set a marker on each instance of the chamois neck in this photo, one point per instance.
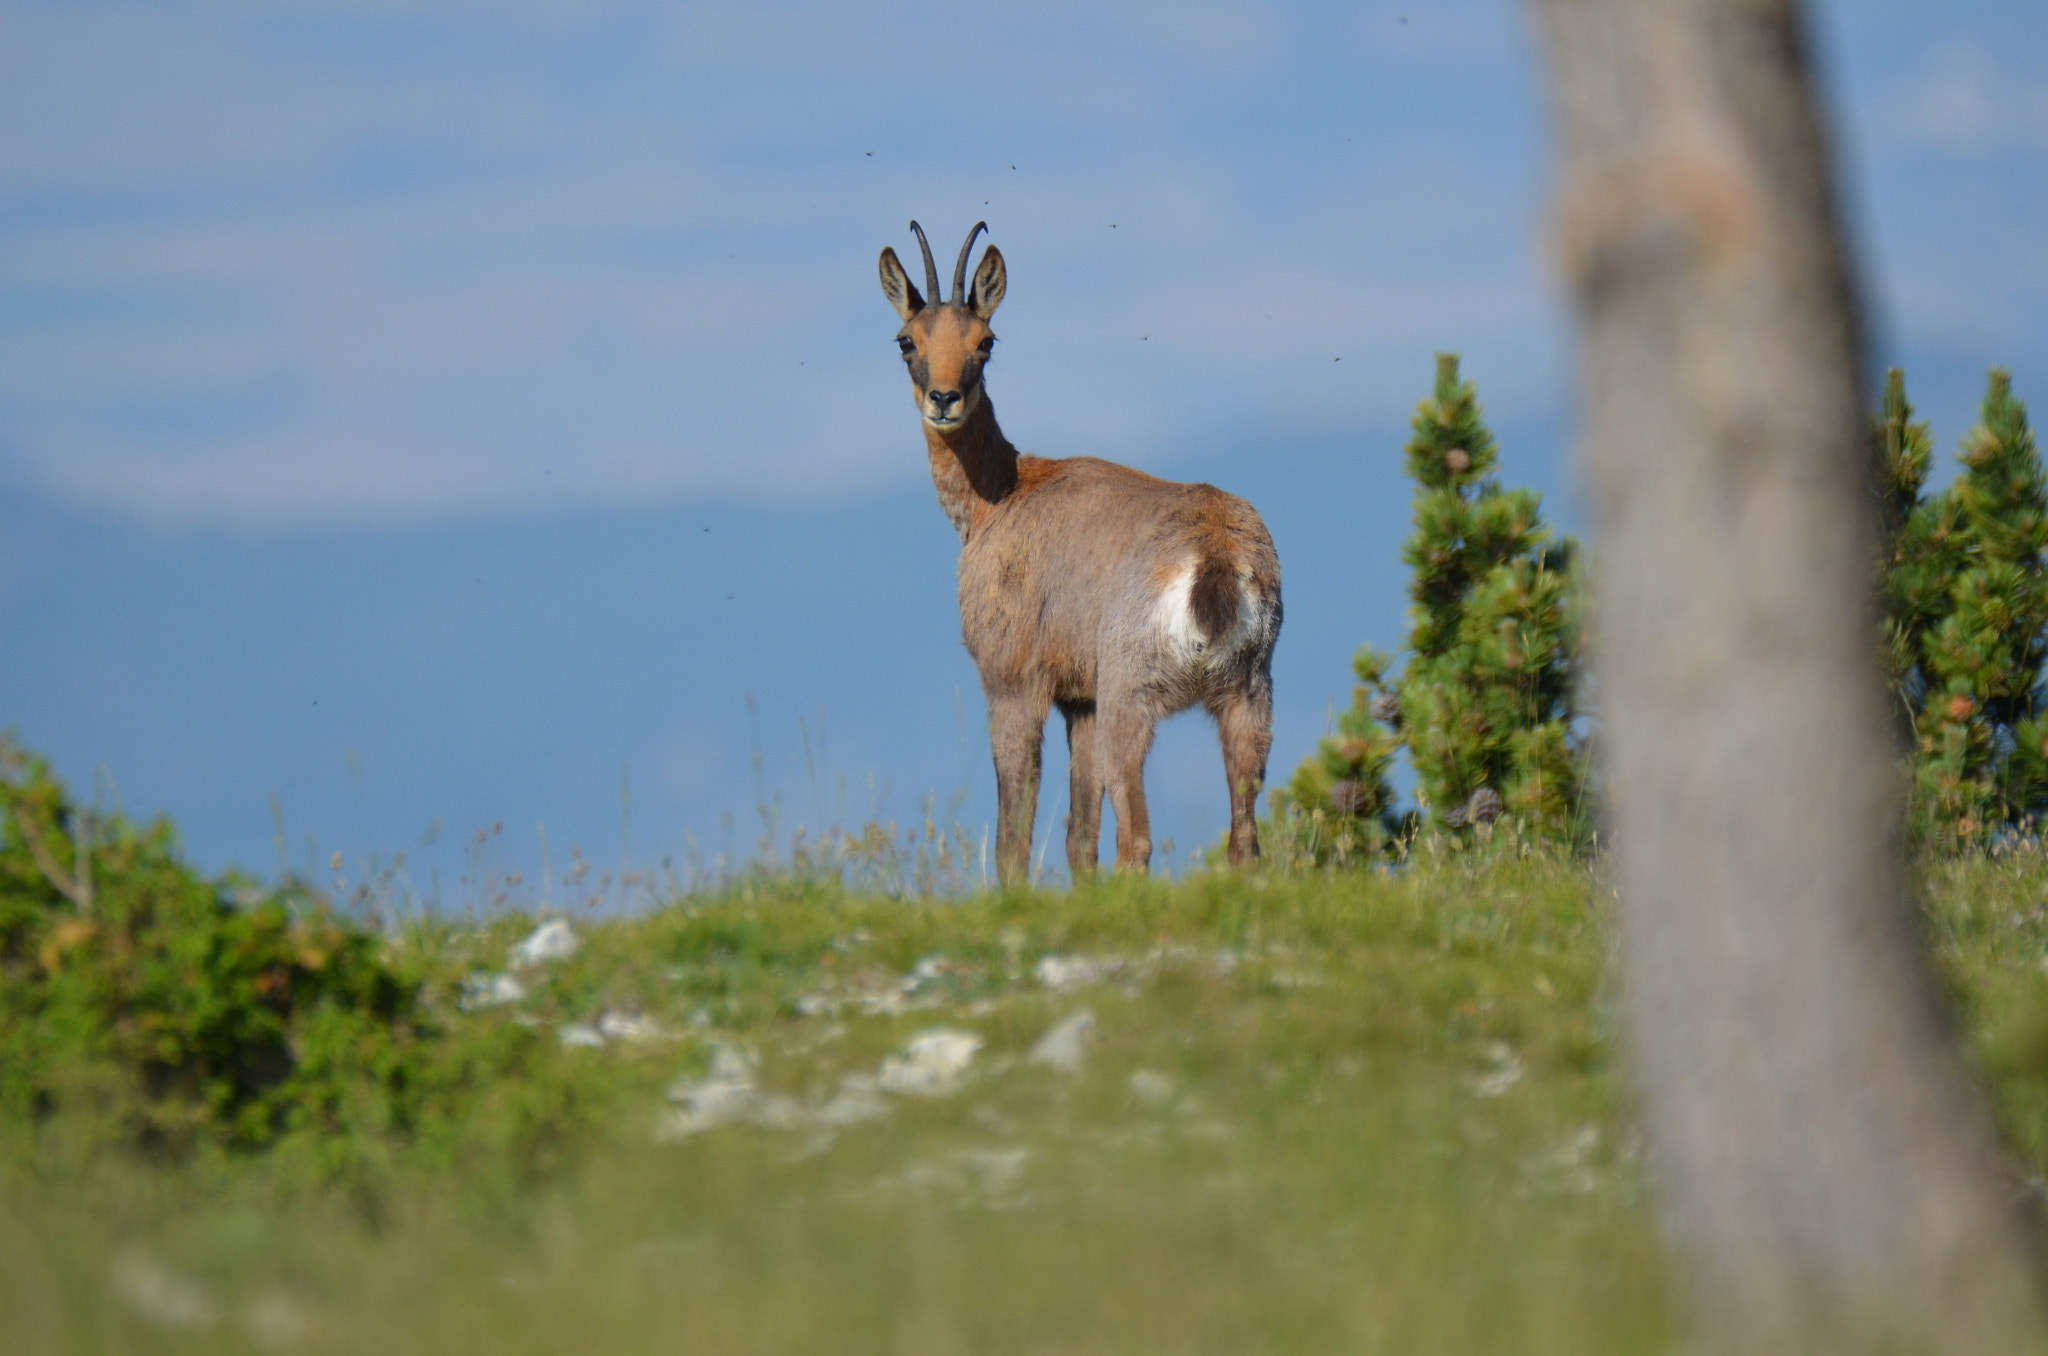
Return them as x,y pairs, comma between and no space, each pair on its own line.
974,468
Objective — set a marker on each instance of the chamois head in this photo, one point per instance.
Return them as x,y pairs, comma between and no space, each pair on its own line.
946,343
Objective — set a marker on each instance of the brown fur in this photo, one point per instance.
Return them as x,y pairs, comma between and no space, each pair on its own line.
1069,578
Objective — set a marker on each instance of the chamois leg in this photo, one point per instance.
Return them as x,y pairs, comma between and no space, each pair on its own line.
1123,739
1244,722
1017,732
1084,816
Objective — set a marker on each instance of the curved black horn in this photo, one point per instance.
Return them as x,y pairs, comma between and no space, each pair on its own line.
960,269
931,270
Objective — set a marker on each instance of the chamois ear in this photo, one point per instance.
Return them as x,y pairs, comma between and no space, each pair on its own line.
897,287
990,281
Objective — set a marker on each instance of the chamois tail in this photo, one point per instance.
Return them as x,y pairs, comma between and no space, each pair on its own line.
1215,598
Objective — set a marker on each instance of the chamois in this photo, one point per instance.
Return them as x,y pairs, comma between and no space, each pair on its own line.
1116,596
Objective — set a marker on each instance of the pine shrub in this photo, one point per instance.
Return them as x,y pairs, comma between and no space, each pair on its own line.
1966,617
1484,702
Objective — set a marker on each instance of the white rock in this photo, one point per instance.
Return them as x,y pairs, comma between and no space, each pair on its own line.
889,1002
552,940
632,1027
1296,979
1061,973
1507,1071
725,1095
489,991
932,1065
1151,1088
277,1322
855,1102
777,1112
1065,1046
734,1063
997,1172
1566,1168
583,1035
159,1296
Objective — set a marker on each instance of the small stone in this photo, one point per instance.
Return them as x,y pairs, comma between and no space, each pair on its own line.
855,1102
629,1026
488,991
581,1035
721,1097
734,1063
1065,1046
1061,973
1151,1088
932,1065
777,1112
996,1172
552,940
1507,1071
277,1322
160,1296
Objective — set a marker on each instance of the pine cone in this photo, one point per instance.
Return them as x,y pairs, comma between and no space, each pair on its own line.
1457,461
1347,797
1960,706
1385,708
1353,751
1457,816
1485,805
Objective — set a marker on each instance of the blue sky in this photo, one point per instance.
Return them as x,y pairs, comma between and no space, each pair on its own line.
426,413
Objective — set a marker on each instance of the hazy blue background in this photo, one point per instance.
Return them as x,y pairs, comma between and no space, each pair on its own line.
426,413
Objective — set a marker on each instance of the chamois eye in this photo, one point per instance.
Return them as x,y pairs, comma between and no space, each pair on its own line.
988,346
904,346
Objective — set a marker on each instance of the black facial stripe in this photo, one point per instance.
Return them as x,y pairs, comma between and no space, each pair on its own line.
920,372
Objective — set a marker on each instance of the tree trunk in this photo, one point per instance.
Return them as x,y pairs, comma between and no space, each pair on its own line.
1831,1176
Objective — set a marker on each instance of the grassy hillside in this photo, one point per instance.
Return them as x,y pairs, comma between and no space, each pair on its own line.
1264,1114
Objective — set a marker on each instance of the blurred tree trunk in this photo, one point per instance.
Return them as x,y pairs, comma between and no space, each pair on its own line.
1831,1177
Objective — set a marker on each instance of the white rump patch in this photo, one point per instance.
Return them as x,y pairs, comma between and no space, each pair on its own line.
1174,615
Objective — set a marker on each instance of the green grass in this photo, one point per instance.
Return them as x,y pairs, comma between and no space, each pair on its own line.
1360,1113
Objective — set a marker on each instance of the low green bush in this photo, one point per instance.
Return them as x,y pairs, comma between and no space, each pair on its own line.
178,1011
145,1007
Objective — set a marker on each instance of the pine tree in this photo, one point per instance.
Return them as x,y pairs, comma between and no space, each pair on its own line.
1483,704
1923,563
1966,593
1487,691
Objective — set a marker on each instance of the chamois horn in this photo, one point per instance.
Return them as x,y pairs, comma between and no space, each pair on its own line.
931,270
960,269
